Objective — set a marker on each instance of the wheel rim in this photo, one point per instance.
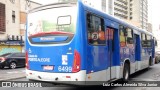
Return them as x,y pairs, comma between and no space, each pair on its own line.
126,74
13,65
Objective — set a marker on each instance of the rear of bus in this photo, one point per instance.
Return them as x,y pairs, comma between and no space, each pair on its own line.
54,44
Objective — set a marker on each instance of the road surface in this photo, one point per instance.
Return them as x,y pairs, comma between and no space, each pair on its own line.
151,74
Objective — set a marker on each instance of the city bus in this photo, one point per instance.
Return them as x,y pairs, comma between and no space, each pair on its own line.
74,42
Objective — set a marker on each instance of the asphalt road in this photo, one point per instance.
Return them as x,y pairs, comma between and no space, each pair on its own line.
151,74
9,74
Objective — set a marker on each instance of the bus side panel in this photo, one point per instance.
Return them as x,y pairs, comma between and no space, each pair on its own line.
97,59
81,35
137,51
145,57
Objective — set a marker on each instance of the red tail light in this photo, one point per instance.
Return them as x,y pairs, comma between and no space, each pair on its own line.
27,66
2,59
77,62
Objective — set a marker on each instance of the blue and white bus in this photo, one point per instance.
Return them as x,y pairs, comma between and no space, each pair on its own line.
74,42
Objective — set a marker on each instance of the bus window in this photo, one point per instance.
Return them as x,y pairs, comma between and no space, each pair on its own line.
130,37
122,36
96,31
144,39
156,43
148,41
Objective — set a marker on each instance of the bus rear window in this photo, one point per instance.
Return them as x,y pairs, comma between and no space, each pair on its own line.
52,25
51,20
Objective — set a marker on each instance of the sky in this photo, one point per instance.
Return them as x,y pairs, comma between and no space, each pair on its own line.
153,13
154,16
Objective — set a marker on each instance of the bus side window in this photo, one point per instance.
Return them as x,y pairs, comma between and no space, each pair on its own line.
156,43
144,40
148,41
122,36
96,30
130,37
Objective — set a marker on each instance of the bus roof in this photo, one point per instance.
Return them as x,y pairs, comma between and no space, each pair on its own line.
52,5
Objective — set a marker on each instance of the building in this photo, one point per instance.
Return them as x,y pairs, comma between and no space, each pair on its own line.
12,24
132,11
135,11
121,9
139,12
106,6
149,27
24,7
9,24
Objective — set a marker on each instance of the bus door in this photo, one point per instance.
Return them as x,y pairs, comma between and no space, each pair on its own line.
137,50
110,45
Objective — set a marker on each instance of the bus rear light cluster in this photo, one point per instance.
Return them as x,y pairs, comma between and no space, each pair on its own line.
2,59
76,62
27,66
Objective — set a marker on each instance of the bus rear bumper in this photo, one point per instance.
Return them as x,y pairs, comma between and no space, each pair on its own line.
64,78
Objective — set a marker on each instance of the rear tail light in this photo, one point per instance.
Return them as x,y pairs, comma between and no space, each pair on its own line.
76,62
2,59
27,66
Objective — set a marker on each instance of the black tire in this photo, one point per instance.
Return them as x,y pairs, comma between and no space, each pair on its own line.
12,65
150,62
156,60
126,73
1,67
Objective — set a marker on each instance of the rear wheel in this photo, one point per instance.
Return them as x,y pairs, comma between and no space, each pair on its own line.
126,73
150,61
12,65
156,60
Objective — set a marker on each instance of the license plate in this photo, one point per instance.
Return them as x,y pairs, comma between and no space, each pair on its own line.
48,67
